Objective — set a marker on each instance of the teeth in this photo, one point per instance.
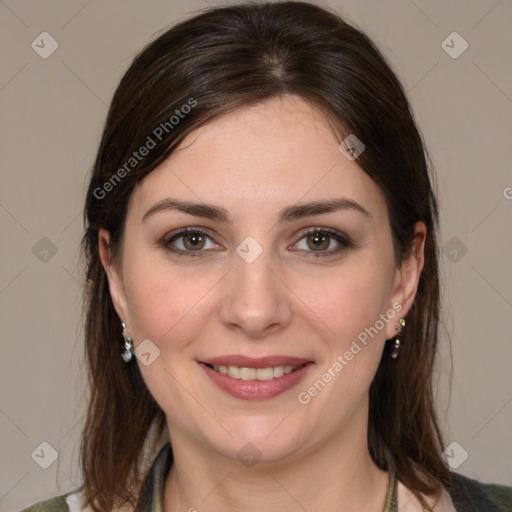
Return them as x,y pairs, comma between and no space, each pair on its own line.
279,371
234,371
244,373
265,373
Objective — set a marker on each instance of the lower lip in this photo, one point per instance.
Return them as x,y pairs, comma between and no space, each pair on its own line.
257,389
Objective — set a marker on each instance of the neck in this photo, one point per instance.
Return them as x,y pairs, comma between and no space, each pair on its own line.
339,475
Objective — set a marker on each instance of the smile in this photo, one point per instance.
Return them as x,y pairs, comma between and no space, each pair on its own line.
256,379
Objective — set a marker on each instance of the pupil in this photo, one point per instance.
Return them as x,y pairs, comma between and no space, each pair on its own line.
193,241
319,241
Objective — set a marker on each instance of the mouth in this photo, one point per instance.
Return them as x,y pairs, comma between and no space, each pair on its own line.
256,379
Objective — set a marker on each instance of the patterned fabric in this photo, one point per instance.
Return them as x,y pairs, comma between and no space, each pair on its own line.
392,497
472,496
52,505
467,495
152,494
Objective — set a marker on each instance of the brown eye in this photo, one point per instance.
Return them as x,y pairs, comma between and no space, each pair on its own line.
190,242
193,241
318,241
323,242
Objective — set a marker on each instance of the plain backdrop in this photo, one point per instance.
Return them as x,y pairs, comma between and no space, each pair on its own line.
52,114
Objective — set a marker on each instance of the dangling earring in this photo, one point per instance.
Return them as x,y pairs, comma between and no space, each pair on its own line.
127,353
396,341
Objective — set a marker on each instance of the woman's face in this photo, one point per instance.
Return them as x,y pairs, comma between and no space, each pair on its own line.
287,265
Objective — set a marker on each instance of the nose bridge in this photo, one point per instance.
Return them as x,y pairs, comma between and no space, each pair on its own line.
255,300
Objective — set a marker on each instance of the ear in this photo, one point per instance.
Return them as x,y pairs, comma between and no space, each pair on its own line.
114,275
407,277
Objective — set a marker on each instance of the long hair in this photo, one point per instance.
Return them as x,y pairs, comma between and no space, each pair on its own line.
202,68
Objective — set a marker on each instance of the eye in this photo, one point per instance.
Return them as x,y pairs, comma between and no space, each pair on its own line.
316,242
322,242
189,242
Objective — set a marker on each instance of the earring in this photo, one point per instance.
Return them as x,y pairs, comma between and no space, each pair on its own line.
128,349
396,341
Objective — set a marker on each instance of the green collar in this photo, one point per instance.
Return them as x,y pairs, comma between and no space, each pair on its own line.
392,497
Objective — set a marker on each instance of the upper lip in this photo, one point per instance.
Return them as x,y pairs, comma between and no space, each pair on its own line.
254,362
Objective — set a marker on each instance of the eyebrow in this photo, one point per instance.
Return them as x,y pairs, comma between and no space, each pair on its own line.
288,214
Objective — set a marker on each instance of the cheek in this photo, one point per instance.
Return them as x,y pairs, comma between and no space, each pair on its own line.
350,301
165,303
351,308
169,308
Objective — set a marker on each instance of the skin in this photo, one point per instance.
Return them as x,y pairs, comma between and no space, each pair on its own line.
253,163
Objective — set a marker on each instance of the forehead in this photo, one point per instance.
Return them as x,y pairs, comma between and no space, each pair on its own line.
264,156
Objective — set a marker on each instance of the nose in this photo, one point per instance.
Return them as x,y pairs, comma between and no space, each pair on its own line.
255,299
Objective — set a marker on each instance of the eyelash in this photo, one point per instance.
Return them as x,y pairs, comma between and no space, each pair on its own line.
343,240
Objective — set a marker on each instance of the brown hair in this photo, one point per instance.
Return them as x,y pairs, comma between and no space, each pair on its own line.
215,62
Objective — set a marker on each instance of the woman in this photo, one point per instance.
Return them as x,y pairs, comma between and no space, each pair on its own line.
263,294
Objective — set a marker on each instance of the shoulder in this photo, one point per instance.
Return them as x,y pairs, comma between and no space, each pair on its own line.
72,502
468,494
57,504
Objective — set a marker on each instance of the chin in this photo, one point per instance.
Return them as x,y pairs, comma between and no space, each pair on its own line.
262,439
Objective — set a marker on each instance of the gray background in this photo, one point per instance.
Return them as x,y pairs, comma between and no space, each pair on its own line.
52,112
